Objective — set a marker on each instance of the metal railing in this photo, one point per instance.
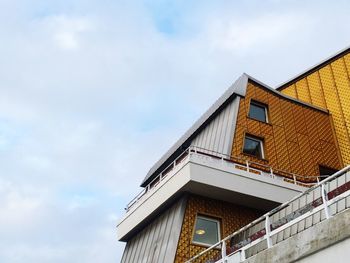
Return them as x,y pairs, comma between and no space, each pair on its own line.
238,163
324,200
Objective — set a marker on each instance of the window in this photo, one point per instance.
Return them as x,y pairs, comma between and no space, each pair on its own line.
253,146
326,171
258,111
206,231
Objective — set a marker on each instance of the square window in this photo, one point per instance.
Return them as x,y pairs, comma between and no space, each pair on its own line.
253,146
258,111
206,231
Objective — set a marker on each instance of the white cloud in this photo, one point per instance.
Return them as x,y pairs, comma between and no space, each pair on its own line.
68,31
242,35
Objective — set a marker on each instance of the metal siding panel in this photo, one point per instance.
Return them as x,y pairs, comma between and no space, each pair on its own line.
231,126
159,241
172,244
130,247
156,240
170,221
223,129
204,134
229,123
146,234
163,237
149,242
219,124
214,125
210,133
135,249
155,236
140,245
217,127
125,253
218,134
132,250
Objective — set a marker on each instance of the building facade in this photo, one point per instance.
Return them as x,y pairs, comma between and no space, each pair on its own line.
255,148
327,86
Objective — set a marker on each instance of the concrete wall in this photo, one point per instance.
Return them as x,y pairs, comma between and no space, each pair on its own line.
327,241
338,252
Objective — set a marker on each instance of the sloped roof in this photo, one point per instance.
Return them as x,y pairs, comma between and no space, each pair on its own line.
314,68
238,88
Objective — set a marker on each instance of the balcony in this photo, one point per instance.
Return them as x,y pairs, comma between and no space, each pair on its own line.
214,175
323,201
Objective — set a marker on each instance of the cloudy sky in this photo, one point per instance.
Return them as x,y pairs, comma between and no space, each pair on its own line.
93,92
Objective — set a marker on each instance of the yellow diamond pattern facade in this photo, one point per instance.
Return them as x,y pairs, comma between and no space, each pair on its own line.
328,87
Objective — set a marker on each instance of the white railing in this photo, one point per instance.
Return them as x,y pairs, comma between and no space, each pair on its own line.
239,163
324,200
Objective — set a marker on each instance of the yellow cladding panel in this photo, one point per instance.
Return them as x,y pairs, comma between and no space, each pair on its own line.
329,87
316,93
303,91
291,91
291,136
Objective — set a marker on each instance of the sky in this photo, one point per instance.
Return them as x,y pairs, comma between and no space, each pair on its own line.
92,93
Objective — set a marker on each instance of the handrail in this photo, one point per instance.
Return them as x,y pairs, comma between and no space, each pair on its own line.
249,166
339,192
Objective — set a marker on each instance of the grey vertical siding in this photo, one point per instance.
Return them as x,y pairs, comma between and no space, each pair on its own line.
217,136
157,243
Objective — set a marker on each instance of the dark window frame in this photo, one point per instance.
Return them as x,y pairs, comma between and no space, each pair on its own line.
259,104
257,139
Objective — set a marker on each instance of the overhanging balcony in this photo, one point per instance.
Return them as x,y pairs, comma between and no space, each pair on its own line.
214,175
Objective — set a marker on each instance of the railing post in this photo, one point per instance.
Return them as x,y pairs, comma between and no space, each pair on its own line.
325,199
268,231
294,179
223,251
271,172
242,252
247,163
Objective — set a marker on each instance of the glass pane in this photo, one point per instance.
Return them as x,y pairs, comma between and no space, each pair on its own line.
257,112
206,231
252,147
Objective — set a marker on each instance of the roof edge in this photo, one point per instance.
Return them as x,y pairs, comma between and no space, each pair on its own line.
237,88
313,68
278,93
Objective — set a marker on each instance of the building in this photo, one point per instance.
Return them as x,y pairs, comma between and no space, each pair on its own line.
254,149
